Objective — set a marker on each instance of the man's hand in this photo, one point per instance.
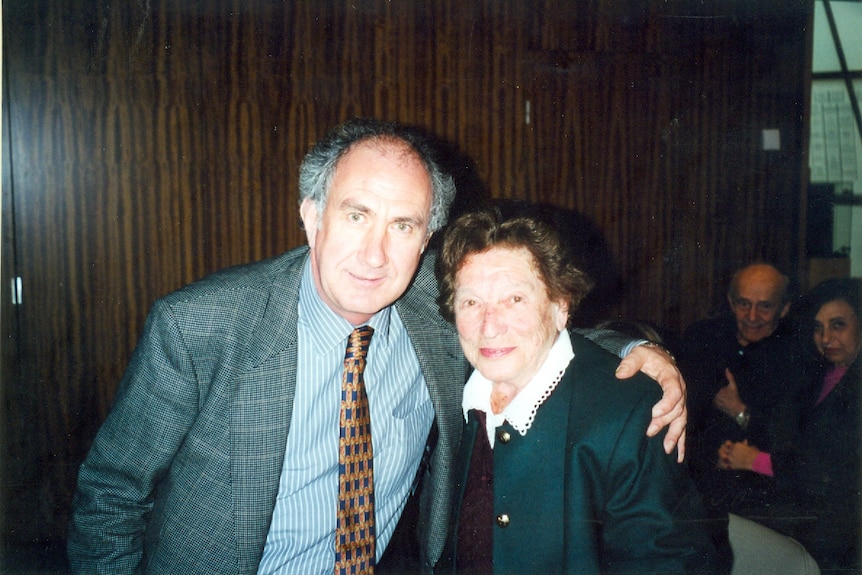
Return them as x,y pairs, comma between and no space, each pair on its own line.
727,399
671,409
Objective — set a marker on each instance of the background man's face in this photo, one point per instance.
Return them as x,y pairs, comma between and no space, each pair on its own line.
757,303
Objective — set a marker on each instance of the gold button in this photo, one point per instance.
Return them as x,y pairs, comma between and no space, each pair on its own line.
504,437
503,520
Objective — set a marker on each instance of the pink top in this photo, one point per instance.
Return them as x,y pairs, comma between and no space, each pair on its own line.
833,376
762,464
763,461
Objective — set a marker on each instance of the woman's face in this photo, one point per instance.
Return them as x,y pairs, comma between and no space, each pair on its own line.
505,320
837,332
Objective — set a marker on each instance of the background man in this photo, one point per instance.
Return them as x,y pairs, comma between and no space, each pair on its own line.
740,368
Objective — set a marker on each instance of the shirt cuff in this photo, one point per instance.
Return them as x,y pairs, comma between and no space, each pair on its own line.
627,349
762,464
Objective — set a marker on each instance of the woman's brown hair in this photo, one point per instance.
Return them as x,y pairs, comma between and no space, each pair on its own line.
482,230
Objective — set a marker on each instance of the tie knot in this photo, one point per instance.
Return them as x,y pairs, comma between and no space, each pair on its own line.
358,342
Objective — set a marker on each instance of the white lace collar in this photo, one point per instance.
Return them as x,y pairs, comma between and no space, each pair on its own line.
522,410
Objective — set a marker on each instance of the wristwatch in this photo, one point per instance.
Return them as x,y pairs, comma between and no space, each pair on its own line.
742,418
660,347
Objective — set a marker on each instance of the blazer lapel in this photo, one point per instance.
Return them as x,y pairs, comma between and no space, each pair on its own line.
261,412
445,370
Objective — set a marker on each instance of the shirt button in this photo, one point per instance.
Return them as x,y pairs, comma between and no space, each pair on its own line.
504,437
503,520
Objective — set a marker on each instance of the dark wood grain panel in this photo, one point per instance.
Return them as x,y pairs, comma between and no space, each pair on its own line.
150,143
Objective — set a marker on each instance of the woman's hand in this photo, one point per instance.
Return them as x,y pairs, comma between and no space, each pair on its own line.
737,455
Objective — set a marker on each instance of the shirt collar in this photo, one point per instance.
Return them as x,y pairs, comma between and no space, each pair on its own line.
522,410
326,328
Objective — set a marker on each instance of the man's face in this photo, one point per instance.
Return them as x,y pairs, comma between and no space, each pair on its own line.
366,245
757,303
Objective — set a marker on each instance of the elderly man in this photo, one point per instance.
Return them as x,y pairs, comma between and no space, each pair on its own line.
743,369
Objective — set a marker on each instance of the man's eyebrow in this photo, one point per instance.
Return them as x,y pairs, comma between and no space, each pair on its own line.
416,221
354,206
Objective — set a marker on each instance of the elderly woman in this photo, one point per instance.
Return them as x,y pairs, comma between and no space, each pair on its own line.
556,475
817,468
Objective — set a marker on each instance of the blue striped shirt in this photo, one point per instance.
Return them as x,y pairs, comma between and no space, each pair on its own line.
302,533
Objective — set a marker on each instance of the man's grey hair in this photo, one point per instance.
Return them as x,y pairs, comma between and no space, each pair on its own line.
318,167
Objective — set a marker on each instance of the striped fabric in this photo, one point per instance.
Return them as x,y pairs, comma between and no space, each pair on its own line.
302,531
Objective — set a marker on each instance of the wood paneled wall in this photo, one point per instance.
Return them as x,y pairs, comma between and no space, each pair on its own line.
149,143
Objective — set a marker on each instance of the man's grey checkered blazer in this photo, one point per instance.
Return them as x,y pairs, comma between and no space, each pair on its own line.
183,475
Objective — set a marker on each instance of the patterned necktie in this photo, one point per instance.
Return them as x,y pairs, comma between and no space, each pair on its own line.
354,533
